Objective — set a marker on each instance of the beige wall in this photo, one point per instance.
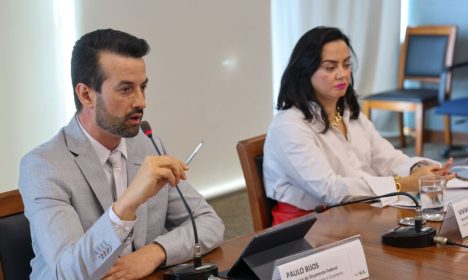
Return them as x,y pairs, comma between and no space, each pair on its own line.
31,102
209,72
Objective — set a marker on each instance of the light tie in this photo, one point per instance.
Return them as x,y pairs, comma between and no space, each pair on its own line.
119,186
115,160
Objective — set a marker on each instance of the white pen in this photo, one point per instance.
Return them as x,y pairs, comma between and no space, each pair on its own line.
194,152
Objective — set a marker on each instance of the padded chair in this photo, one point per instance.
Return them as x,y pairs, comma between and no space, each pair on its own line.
15,240
451,107
250,153
425,53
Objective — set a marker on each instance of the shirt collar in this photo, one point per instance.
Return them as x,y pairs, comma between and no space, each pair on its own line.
102,152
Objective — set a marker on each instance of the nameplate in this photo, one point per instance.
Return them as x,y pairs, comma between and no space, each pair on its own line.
459,209
344,259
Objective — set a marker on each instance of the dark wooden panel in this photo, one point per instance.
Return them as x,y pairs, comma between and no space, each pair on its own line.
10,203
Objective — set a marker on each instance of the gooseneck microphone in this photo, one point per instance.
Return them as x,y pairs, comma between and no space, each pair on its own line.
197,271
145,126
415,236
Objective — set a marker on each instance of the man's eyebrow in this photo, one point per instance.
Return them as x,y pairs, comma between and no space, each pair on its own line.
128,83
124,83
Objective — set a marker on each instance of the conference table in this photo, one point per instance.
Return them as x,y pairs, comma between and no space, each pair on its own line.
383,261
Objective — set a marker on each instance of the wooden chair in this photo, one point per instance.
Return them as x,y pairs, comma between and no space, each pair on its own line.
15,238
425,53
250,153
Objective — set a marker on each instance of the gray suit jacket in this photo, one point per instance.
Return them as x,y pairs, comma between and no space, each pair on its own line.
67,197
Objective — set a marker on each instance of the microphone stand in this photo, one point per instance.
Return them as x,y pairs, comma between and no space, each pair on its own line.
415,236
197,271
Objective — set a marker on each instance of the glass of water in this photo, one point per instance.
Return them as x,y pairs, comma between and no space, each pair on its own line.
431,192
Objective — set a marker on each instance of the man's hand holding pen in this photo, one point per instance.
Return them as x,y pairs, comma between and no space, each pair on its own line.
153,174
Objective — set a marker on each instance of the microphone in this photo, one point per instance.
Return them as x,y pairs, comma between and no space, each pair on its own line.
415,236
145,126
197,271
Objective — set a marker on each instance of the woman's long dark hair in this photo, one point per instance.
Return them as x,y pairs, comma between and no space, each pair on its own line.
296,86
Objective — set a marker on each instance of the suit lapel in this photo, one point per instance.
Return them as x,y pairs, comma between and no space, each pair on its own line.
134,161
88,162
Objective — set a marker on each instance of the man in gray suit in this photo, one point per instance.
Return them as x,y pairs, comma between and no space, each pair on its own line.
100,202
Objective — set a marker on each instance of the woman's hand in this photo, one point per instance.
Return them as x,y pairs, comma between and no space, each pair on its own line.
411,183
445,170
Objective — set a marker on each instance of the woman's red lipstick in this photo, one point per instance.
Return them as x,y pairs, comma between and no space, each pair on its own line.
341,86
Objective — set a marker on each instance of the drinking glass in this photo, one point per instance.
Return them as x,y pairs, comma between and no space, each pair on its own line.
431,192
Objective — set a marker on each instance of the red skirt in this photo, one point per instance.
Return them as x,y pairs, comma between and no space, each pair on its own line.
283,212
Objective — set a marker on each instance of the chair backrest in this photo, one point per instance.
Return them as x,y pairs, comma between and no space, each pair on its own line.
426,51
250,153
15,238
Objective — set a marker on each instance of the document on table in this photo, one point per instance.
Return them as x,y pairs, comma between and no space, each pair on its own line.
457,184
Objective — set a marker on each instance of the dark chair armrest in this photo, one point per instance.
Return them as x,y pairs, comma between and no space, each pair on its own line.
443,78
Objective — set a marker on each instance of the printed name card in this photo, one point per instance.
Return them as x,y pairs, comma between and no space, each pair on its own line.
459,209
344,259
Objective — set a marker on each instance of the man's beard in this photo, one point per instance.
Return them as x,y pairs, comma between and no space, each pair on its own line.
115,125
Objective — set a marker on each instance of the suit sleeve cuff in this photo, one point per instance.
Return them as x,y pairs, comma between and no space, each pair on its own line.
122,228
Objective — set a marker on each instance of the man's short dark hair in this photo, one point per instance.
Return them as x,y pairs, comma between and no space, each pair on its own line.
84,63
